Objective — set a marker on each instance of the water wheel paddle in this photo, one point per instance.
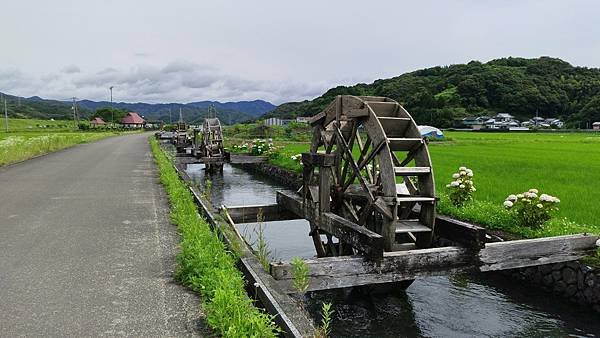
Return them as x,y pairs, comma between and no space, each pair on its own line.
381,176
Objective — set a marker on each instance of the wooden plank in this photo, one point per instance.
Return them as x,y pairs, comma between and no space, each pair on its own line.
404,226
412,171
248,213
384,109
354,113
394,126
318,159
317,118
344,271
531,252
361,238
463,233
404,143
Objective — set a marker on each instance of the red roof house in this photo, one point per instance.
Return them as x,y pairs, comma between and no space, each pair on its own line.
132,120
96,121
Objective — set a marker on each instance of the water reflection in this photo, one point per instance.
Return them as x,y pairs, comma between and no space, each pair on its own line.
460,305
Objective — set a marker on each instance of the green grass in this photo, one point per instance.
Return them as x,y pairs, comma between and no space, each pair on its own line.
207,267
36,125
20,146
563,165
566,165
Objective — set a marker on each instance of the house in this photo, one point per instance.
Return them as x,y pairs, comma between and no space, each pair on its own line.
543,123
502,117
596,125
303,119
274,121
96,121
473,122
132,120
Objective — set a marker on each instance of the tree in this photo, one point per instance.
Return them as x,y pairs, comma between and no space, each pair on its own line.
106,114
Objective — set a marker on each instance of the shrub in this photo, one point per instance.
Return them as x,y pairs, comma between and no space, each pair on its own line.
461,189
300,273
261,146
532,210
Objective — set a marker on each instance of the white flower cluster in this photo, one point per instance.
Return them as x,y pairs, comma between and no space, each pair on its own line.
297,157
530,197
244,146
462,180
260,146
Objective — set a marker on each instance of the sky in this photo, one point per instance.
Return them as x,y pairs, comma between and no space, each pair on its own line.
275,50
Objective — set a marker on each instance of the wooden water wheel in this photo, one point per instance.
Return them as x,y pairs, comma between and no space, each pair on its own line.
212,144
369,164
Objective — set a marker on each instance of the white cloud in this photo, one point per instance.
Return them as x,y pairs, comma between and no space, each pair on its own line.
177,81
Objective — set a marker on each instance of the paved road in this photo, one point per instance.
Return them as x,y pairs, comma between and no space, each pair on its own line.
86,248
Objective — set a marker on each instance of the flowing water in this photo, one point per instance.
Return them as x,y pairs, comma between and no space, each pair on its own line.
459,305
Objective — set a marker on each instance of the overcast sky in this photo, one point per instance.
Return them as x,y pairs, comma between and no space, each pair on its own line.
276,50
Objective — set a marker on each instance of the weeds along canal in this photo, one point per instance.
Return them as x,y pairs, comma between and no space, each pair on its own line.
460,305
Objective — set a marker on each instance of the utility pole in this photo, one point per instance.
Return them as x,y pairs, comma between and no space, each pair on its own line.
5,114
74,108
180,116
112,113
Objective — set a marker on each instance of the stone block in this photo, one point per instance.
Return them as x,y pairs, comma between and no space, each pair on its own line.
569,276
556,275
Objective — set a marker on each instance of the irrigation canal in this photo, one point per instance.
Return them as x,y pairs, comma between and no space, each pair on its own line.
461,305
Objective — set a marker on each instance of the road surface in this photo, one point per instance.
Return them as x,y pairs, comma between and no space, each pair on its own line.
86,247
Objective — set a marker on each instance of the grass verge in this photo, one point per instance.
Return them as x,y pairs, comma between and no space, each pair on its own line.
207,267
15,147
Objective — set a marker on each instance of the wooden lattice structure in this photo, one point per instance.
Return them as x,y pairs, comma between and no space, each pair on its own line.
369,164
211,146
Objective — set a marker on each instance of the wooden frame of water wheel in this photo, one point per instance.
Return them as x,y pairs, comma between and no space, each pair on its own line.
212,144
369,164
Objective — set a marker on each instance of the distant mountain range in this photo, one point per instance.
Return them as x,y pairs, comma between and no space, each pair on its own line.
193,112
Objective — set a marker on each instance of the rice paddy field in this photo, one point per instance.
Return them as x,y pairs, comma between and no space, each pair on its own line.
36,125
566,165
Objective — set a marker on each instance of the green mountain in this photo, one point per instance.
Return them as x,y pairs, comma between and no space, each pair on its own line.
37,108
194,112
521,87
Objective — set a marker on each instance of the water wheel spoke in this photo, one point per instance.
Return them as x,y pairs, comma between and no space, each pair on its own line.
351,209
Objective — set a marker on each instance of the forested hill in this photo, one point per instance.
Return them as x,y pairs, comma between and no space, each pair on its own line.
517,86
194,112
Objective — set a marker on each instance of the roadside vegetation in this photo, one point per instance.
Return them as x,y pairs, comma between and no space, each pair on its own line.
565,165
15,147
207,267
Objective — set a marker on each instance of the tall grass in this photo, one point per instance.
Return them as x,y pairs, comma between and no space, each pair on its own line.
16,147
207,267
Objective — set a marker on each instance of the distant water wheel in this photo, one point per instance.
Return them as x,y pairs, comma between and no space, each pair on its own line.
212,145
380,176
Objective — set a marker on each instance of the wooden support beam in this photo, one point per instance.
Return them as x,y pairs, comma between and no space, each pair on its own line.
531,252
463,233
360,238
248,213
345,271
318,159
